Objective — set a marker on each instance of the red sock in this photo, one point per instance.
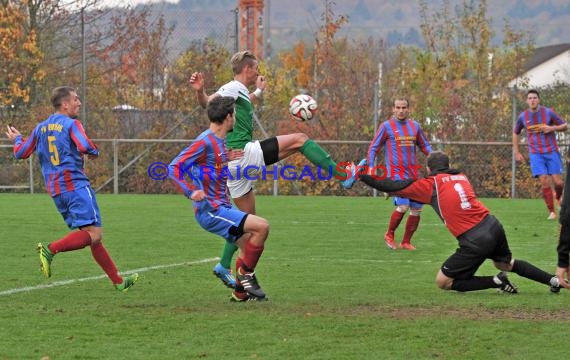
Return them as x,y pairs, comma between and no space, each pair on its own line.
558,190
547,195
102,257
411,227
395,221
72,241
251,255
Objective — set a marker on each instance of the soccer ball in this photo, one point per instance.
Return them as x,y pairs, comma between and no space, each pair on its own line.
303,107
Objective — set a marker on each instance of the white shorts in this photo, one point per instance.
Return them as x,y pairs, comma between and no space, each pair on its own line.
240,182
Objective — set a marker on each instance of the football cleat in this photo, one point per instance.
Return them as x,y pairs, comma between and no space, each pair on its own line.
389,240
250,284
46,257
506,285
128,282
225,275
349,182
551,216
555,285
407,246
242,296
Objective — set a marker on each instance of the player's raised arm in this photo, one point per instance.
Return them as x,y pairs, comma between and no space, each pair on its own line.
23,148
198,84
260,87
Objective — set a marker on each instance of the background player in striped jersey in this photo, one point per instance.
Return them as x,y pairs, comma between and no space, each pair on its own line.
399,136
60,143
200,170
479,234
256,153
541,124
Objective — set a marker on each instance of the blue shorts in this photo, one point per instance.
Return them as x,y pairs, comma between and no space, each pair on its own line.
545,164
79,208
226,222
407,202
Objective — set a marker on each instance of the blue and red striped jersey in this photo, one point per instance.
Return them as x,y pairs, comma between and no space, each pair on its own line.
400,139
537,141
203,166
60,143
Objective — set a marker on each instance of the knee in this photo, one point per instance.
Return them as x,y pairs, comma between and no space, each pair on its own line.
264,228
544,182
402,208
415,212
504,266
443,282
96,234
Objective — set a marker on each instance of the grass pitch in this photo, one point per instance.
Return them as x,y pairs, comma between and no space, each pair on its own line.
336,291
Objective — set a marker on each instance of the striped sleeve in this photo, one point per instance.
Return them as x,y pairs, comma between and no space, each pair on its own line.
422,141
83,143
519,125
556,119
23,148
376,144
182,168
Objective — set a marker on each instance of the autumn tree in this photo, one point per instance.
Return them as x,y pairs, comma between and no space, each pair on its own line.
19,56
460,80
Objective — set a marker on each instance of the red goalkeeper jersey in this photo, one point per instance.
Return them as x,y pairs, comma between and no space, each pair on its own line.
452,197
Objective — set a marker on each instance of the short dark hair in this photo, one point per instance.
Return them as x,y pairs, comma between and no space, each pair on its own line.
219,108
60,93
437,161
401,98
533,91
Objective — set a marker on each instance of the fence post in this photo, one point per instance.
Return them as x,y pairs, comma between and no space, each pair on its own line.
275,187
31,174
115,166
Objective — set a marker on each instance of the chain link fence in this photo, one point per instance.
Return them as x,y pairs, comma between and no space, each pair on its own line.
139,166
204,28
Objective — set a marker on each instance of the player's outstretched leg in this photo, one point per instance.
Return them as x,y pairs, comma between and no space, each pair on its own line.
525,269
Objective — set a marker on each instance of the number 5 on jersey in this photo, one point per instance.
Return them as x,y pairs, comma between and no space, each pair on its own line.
54,158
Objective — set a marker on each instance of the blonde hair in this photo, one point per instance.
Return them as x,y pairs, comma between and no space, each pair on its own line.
241,59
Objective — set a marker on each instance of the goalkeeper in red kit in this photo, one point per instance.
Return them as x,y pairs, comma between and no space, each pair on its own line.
480,235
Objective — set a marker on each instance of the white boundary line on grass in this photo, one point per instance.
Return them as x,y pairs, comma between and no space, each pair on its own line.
90,278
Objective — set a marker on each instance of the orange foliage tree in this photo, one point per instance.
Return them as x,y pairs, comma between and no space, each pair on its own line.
19,55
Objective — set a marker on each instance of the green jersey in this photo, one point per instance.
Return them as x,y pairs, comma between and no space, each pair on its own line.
243,128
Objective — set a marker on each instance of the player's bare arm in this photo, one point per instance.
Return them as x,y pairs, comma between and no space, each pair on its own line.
198,195
554,128
198,84
260,84
516,150
235,154
562,275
